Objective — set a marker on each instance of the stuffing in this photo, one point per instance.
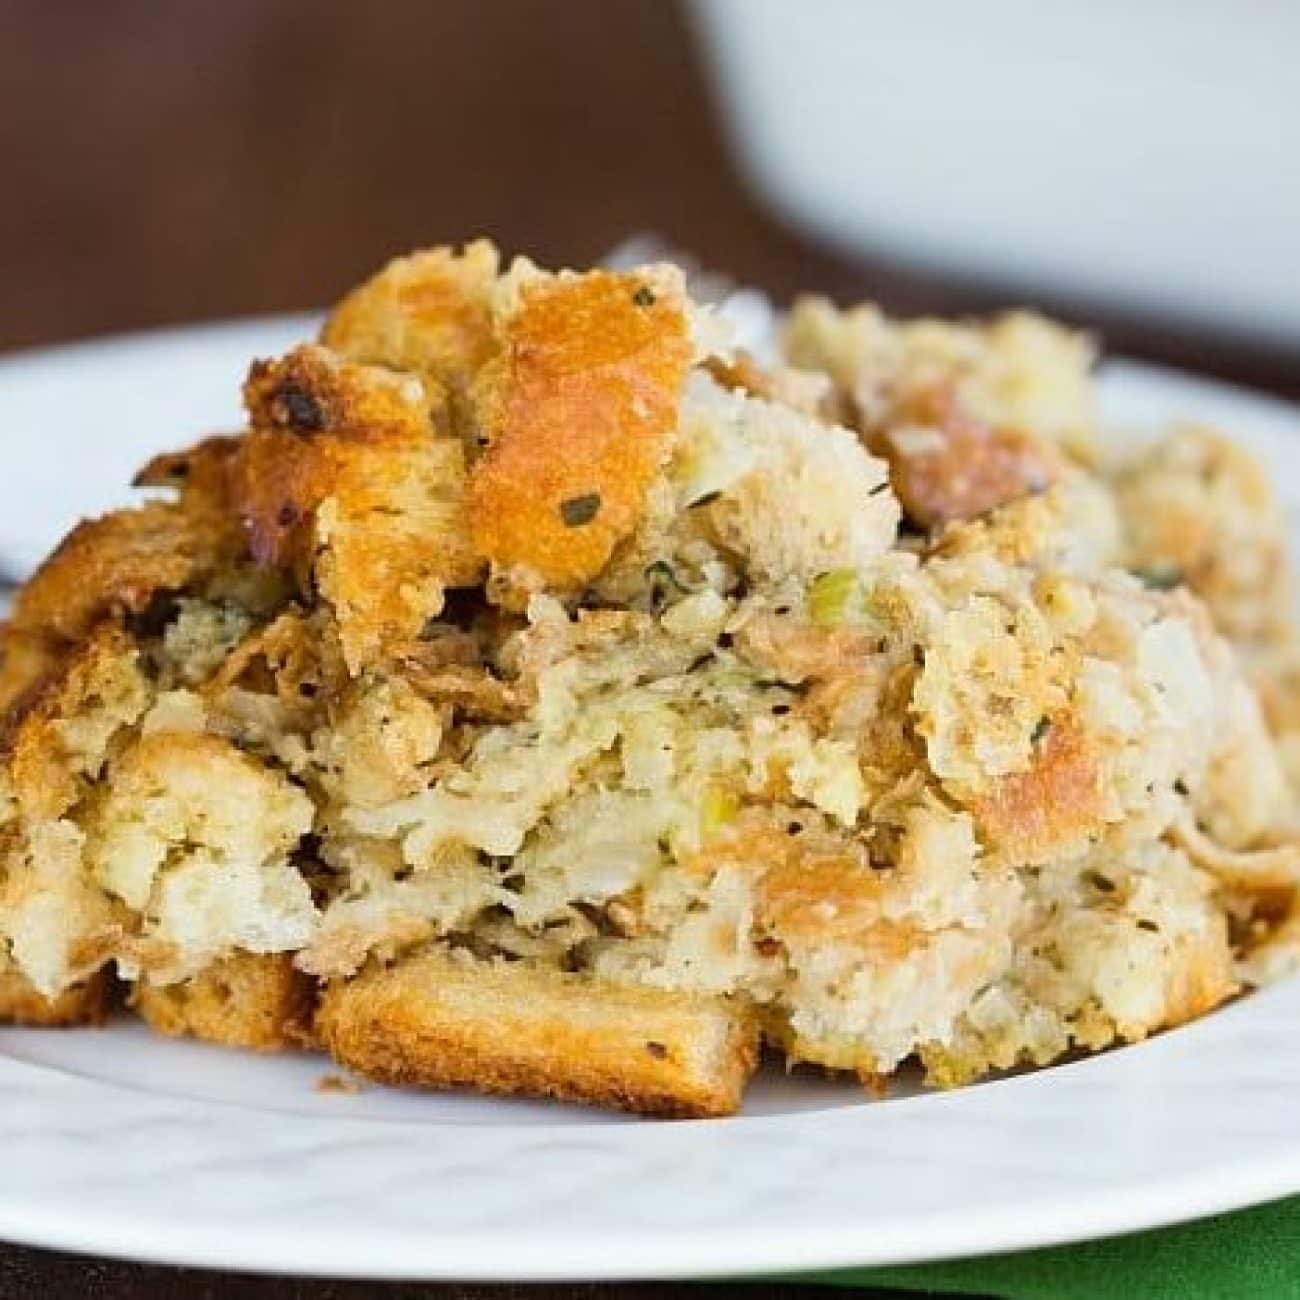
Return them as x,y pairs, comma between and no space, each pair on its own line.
389,541
81,1004
60,739
1199,510
576,412
1018,371
969,417
443,1020
121,563
257,1002
1123,947
195,838
429,314
26,660
344,477
541,696
745,462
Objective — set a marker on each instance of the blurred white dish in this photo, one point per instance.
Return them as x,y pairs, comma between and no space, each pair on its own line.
1141,154
122,1143
77,421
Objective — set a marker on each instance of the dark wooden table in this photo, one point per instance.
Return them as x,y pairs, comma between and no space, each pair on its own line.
167,163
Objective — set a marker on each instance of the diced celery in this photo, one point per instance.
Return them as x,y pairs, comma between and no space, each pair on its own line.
832,597
718,808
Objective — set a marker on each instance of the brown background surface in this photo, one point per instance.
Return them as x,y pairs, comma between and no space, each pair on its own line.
167,162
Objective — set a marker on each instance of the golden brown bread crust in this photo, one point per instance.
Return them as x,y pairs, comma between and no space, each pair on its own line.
429,313
442,1021
577,411
390,541
84,1004
304,410
1034,815
26,660
119,563
343,473
100,676
963,467
251,1001
200,474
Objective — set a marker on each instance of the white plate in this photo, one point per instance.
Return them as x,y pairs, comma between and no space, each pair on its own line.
120,1143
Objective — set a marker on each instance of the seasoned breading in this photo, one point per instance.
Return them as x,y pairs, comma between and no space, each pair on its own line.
344,476
26,660
946,465
119,564
577,410
430,314
60,737
256,1002
195,837
87,1003
441,1020
555,689
200,475
969,417
1198,509
390,539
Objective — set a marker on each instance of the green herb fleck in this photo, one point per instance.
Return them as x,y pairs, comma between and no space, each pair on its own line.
1041,728
706,500
577,511
1149,926
644,296
662,574
1102,884
1161,577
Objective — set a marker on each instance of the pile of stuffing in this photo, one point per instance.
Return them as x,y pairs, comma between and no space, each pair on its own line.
542,695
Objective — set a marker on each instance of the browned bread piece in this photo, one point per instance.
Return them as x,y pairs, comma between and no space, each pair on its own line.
443,1020
577,412
120,562
258,1002
343,472
430,313
87,1003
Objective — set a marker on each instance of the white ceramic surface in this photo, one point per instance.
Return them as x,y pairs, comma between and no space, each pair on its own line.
1137,153
120,1143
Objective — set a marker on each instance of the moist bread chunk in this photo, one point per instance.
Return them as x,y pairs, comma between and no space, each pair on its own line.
542,696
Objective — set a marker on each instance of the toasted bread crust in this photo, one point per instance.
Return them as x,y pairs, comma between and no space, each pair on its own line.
344,475
577,411
964,467
27,659
1058,802
119,563
87,1003
101,677
430,313
304,411
436,1021
256,1002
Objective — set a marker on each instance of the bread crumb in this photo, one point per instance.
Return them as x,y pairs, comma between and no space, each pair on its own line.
337,1083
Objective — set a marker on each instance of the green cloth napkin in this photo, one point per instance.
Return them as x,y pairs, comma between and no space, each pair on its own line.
1250,1255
